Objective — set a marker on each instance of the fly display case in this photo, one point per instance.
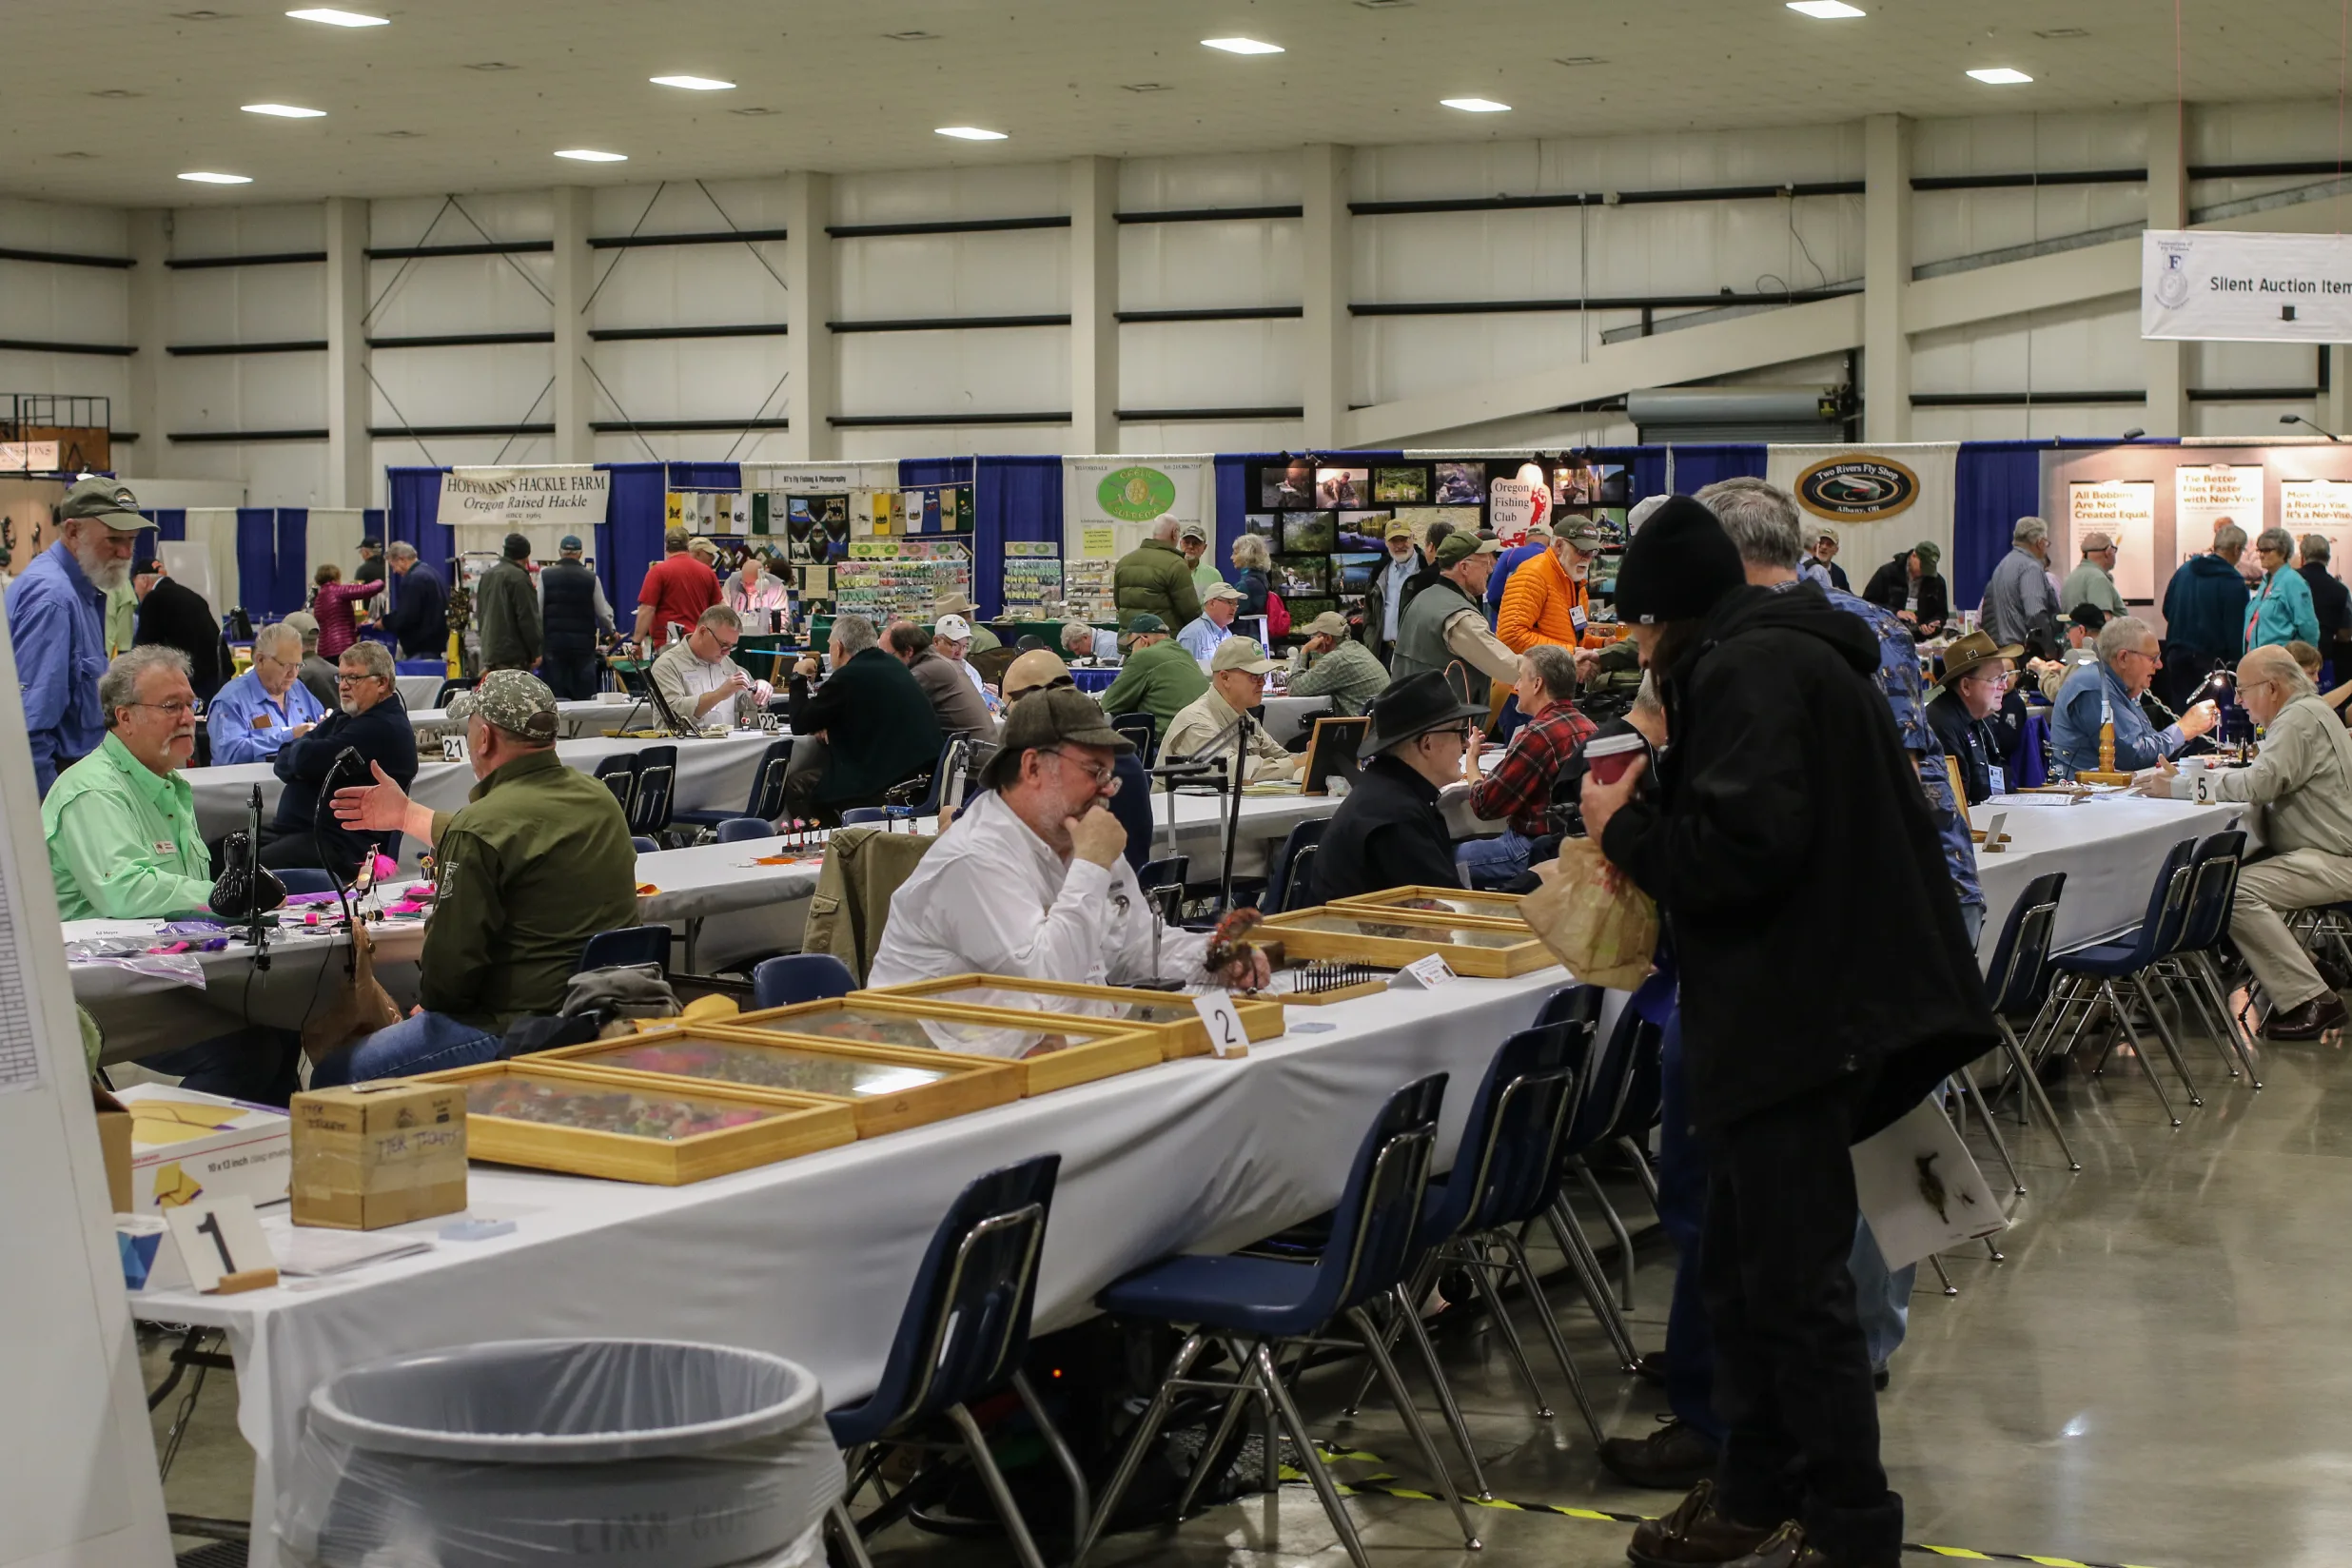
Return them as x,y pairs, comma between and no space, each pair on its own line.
1487,948
555,1117
1452,903
1046,1053
1167,1015
887,1088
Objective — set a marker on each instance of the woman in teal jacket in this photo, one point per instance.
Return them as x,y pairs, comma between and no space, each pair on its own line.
2280,609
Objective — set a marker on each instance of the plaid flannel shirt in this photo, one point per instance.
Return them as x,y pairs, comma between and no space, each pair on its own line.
1520,789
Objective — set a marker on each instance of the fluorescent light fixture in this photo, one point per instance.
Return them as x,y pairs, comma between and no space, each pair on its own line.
2001,76
1826,11
1475,106
1241,46
203,178
691,84
334,18
589,155
285,112
969,133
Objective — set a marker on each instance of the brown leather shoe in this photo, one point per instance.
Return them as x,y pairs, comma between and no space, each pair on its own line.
2308,1022
1674,1458
1786,1548
1695,1536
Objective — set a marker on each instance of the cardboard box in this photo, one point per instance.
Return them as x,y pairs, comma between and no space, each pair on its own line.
185,1145
114,1147
371,1155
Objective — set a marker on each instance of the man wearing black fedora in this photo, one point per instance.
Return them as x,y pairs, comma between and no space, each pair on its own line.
1388,833
1785,808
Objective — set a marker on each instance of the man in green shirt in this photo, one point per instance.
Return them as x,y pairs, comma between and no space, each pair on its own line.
1193,539
1160,677
1331,663
536,863
121,823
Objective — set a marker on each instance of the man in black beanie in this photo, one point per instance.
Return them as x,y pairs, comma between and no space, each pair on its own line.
1785,808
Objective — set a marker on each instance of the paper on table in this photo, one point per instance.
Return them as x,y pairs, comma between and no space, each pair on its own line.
306,1249
1920,1189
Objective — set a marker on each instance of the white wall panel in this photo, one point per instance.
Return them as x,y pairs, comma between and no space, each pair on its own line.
1014,272
76,375
2213,365
2043,422
704,285
2021,143
1174,266
53,225
1210,364
1178,185
1403,356
1946,224
249,305
862,445
2254,420
933,195
1143,435
273,473
721,378
274,230
997,370
490,384
442,294
245,392
2088,348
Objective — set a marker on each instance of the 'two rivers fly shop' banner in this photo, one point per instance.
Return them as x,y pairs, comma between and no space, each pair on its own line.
1879,501
2215,285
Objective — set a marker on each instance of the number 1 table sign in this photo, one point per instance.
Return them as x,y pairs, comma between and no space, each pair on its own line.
222,1244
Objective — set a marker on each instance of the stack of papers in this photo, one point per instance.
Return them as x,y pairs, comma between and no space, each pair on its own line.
308,1250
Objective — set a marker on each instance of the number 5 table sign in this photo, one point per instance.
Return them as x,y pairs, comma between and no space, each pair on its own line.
222,1244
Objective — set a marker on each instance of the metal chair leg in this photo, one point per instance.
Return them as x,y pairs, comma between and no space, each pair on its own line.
1447,1403
1138,1441
1482,1268
1616,1228
1408,1297
2217,994
1318,1474
1983,1112
1413,1424
2164,1032
976,1444
1565,1236
1226,1424
1642,1171
1937,1264
2034,1092
2123,1023
844,1529
1550,1329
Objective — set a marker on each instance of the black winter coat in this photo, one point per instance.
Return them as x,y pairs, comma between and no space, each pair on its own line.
1387,833
1792,854
177,616
1890,585
2331,602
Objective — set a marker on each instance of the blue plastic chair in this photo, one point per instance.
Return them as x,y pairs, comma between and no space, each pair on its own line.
791,977
1142,730
618,773
649,797
1260,1307
1283,887
736,830
2018,986
644,844
2108,971
627,944
767,801
2212,891
862,816
962,1337
1606,1078
950,758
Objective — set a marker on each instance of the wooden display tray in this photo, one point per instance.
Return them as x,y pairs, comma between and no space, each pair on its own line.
786,1125
1104,1052
1461,904
966,1085
1490,949
1183,1034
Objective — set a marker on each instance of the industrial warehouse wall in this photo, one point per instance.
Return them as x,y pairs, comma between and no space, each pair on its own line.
1751,248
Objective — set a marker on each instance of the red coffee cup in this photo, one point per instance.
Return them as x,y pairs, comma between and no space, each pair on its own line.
1608,757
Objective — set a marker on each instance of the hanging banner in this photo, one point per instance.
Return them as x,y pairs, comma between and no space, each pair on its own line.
482,505
1879,501
2318,506
2205,496
1110,505
2124,511
2219,287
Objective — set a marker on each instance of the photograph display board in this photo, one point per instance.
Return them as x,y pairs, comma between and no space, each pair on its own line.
2125,510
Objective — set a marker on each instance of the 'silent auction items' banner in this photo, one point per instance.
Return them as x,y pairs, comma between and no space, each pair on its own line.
2214,285
483,505
1110,505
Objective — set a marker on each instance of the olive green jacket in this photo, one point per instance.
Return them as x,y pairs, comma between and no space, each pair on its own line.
1159,680
508,606
1152,579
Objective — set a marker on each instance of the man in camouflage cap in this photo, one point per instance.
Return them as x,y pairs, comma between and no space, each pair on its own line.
536,862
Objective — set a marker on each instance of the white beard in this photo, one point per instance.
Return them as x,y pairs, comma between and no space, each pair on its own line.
104,571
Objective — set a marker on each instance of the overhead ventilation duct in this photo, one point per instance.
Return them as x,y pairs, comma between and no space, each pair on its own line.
1739,413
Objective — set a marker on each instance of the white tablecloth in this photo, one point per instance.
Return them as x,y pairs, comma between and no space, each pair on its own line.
2110,847
813,1258
1287,716
419,691
575,719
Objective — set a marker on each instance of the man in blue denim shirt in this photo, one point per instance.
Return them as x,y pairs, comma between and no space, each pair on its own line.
2108,691
57,619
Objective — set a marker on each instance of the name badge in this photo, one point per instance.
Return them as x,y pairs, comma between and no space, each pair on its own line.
261,721
1576,618
2000,778
165,846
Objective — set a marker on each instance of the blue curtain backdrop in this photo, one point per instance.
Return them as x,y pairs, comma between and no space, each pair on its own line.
1013,497
705,476
257,558
633,523
1993,484
293,576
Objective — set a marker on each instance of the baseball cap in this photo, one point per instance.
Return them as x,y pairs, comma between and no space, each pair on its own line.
1330,623
569,541
1585,535
1459,547
304,622
1240,652
1540,529
1193,530
514,701
106,500
1222,590
1398,528
951,629
675,539
1145,625
1049,719
1929,552
371,542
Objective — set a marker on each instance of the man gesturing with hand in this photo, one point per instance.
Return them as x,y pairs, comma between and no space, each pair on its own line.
1032,879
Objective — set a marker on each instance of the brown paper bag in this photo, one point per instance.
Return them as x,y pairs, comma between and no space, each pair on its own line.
1607,938
356,1009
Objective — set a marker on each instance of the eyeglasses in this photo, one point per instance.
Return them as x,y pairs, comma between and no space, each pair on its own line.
344,677
1105,776
1461,735
176,707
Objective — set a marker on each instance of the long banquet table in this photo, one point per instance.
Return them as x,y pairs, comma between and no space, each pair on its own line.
2109,846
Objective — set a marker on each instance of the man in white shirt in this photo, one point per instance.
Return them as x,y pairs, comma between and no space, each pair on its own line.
697,677
1030,879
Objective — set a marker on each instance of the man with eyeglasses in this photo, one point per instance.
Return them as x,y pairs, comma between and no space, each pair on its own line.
2108,692
698,676
370,726
1032,879
262,709
1389,831
1976,677
957,704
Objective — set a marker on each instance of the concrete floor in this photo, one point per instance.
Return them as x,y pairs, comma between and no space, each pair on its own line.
2153,1376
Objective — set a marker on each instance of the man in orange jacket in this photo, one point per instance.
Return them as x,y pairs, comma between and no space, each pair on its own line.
1547,598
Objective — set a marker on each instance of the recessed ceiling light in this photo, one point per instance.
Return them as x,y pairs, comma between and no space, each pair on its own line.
691,84
284,111
492,65
1241,46
1826,11
334,18
1144,86
2064,32
589,155
969,133
2001,76
204,178
1475,106
1573,61
912,35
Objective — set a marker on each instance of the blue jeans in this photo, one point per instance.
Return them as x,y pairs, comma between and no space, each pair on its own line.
254,1064
426,1043
1492,862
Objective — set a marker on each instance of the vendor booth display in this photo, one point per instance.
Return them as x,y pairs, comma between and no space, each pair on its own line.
1047,1055
1489,949
1172,1018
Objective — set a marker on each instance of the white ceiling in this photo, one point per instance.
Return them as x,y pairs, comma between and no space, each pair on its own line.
1052,74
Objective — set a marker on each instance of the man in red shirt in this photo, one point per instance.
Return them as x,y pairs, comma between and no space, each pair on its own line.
1520,790
677,589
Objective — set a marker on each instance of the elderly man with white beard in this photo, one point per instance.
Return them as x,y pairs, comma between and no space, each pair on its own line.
57,619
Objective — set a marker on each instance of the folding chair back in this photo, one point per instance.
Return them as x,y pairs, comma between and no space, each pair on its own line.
2019,977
